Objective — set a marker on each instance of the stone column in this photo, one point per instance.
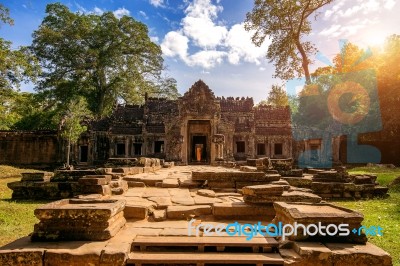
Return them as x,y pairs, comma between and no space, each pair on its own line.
126,147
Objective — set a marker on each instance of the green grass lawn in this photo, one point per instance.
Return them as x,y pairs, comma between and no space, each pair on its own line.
16,217
384,212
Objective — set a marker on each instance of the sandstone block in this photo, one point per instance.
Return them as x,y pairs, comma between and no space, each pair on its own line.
43,177
135,211
241,209
206,193
315,213
185,212
275,190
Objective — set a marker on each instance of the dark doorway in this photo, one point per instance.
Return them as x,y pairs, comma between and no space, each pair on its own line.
159,146
120,149
199,149
137,148
83,155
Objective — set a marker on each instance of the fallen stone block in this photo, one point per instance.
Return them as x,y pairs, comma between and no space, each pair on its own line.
185,212
135,184
241,209
303,182
319,213
273,190
170,183
161,202
350,254
34,177
206,193
248,169
71,175
221,184
136,211
159,215
228,176
294,196
77,219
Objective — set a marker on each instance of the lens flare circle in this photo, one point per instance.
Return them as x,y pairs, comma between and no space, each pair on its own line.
359,94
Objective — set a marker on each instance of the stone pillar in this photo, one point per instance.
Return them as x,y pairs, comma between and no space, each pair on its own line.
126,147
112,147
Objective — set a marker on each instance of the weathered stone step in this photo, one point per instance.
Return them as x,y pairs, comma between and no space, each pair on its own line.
139,258
242,209
228,176
219,242
185,212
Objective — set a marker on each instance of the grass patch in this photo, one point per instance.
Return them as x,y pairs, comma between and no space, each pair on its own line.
16,217
385,175
10,171
384,212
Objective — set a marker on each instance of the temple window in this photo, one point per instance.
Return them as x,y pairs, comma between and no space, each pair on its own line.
278,148
240,147
158,146
120,148
260,149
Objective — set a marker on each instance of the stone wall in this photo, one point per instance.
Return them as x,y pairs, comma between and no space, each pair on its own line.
33,148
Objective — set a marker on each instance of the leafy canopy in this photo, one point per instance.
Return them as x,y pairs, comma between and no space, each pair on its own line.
99,57
285,22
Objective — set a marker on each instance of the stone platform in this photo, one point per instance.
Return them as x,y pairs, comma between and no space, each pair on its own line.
160,204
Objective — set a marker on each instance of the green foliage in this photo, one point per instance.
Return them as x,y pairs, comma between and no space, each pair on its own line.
25,111
76,111
285,22
277,96
5,15
99,57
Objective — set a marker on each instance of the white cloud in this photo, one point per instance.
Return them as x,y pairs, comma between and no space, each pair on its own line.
334,9
364,7
206,59
122,11
389,4
214,41
175,44
199,25
240,46
97,10
143,14
350,29
331,31
157,3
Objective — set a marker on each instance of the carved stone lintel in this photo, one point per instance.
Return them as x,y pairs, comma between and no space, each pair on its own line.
218,138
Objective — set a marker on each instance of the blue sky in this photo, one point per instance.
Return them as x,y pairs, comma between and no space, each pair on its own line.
205,39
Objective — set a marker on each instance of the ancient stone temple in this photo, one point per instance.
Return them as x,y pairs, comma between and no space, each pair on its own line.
197,128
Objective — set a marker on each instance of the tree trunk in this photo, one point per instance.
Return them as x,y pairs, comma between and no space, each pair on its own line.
68,148
305,61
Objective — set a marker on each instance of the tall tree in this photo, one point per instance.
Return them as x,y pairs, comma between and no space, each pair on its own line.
71,123
285,22
277,96
99,57
16,66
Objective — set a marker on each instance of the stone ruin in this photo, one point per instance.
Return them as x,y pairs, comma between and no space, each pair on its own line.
148,223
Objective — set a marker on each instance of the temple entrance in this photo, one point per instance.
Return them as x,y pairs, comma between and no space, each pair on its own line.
199,149
83,154
199,145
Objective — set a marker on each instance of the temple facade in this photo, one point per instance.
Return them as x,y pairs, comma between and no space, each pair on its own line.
197,128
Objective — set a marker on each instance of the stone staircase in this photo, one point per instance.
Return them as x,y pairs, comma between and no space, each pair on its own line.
210,250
